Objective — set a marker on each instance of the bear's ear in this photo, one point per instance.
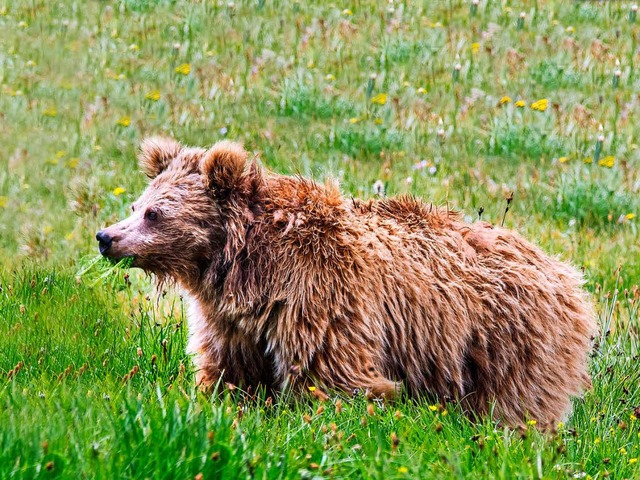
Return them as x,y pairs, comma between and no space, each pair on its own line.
156,153
223,166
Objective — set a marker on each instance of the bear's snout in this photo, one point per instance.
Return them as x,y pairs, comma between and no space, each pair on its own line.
104,242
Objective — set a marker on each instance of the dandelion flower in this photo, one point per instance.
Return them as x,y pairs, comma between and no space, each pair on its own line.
50,112
540,105
632,461
133,47
118,191
347,12
184,69
531,423
563,159
520,104
377,121
3,202
433,408
607,162
505,99
329,78
403,470
570,29
422,90
380,99
475,47
312,389
153,95
588,160
124,121
354,120
73,162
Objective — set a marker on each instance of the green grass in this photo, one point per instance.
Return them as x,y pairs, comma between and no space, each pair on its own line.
94,381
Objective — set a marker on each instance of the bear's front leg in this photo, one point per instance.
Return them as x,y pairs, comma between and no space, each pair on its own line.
207,370
200,346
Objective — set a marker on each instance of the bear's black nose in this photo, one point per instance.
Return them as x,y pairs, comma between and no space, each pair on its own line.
104,241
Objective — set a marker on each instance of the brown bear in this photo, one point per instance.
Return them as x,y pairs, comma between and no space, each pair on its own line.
292,285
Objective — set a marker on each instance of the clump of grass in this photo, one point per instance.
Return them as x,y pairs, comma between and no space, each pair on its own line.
98,269
298,99
589,203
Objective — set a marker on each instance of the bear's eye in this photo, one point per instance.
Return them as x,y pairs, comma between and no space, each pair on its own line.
151,215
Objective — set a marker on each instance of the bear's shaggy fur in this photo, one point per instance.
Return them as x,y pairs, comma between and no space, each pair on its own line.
292,284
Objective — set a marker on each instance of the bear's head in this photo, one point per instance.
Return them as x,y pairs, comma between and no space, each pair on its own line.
193,215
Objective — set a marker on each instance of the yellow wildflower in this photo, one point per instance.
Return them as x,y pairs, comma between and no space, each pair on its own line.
622,450
312,389
563,159
354,120
631,216
124,121
422,90
380,99
347,12
433,408
134,47
184,69
570,29
531,422
540,105
329,78
50,112
153,95
73,162
560,425
520,104
633,460
403,470
377,121
475,47
588,160
596,441
607,161
47,229
3,202
23,24
505,99
118,191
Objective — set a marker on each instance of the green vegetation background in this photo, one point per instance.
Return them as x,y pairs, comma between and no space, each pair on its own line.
454,103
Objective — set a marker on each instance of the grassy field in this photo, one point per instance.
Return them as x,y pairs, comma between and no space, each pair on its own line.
454,103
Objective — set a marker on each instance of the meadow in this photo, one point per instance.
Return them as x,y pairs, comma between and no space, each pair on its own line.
457,102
